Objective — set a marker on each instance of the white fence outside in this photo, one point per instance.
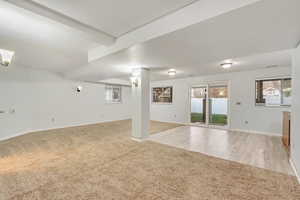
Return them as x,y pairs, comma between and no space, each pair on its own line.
219,105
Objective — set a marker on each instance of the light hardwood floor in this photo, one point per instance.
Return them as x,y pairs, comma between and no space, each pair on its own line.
256,150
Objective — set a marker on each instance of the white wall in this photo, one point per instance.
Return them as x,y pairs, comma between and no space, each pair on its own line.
295,135
38,97
242,89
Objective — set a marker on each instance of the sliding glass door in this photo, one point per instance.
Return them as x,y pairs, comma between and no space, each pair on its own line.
198,104
209,105
218,105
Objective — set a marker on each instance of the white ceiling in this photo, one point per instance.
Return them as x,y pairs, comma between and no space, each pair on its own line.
259,61
247,35
39,42
115,17
253,36
253,62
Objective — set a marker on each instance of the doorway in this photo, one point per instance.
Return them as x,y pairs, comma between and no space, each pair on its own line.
209,105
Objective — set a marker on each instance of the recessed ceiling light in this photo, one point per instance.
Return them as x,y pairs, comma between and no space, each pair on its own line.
172,72
6,57
226,65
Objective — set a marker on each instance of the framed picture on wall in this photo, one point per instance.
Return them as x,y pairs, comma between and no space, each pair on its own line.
113,94
162,95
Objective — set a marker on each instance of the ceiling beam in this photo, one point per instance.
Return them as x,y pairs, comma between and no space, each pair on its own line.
192,14
93,33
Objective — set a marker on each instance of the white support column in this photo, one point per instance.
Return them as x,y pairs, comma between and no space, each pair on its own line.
141,104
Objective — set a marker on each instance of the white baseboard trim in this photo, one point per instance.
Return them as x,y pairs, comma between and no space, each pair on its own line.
56,127
295,169
255,132
15,135
184,124
138,139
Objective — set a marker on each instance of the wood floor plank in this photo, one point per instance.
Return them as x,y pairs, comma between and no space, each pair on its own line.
261,151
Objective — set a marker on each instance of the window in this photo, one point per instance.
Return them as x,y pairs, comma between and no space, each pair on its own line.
113,93
274,92
162,95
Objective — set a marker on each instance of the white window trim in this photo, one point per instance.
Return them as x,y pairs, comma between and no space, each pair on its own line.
266,79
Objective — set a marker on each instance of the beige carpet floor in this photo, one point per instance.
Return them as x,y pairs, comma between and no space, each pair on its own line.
101,162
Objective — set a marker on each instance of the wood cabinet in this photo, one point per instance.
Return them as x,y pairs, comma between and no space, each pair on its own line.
286,139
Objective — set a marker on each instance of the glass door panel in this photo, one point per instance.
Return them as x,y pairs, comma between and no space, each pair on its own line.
198,105
218,105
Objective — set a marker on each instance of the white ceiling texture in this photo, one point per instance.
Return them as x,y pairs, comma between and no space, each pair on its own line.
94,40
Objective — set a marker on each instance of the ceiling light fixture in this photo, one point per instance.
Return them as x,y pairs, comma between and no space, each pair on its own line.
136,75
172,72
6,57
134,81
226,65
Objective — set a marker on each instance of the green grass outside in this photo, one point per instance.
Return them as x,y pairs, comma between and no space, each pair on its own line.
216,118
